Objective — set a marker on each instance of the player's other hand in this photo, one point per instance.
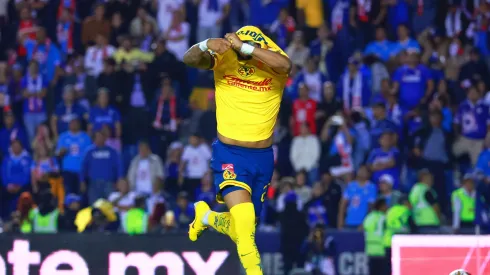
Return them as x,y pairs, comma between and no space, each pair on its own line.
218,45
236,43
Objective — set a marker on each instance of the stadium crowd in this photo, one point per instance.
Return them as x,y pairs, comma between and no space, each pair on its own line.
105,129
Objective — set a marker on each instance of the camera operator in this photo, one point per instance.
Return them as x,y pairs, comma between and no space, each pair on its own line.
320,251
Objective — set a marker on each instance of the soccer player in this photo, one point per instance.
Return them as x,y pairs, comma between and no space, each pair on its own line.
250,72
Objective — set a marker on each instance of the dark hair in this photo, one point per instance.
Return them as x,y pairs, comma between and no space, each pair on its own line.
436,113
380,203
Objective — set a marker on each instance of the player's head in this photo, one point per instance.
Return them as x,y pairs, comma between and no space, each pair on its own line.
254,37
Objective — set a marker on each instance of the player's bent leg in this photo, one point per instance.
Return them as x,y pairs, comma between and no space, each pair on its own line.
197,226
243,218
221,222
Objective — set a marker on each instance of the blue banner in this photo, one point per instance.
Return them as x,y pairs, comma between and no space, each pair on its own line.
350,258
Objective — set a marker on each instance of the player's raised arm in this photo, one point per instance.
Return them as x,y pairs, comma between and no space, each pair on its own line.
198,56
276,61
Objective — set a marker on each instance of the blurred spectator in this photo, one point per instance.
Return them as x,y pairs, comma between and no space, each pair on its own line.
156,204
145,171
374,227
463,204
282,28
471,123
136,219
205,192
165,11
183,213
386,192
355,90
313,79
297,51
380,124
294,228
11,131
45,53
309,16
413,82
328,106
475,69
320,251
43,139
65,32
96,25
34,87
433,146
172,167
103,114
483,163
336,147
71,148
381,47
405,42
66,111
304,111
46,217
101,169
15,90
211,15
332,198
177,36
15,174
305,152
96,55
72,206
43,165
123,199
27,25
167,114
111,140
98,218
357,200
322,51
207,122
148,39
142,18
194,165
423,198
128,53
20,222
362,146
315,208
399,220
385,160
301,187
118,28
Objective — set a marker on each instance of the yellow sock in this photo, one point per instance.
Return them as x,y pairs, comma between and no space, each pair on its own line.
243,219
223,223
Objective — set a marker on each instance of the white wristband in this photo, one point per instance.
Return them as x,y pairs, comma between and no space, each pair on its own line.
247,49
203,46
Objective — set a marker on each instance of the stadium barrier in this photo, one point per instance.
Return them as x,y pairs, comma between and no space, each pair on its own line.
174,254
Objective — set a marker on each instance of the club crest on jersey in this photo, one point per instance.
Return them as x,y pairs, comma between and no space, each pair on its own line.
228,171
246,71
229,175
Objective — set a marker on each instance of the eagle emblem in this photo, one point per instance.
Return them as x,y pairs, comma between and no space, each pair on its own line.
246,71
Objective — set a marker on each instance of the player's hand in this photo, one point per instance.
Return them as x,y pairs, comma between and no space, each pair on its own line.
218,45
236,43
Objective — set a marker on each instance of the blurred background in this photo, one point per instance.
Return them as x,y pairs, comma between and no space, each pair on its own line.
383,127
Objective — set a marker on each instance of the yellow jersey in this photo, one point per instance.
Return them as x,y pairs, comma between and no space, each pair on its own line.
313,10
248,96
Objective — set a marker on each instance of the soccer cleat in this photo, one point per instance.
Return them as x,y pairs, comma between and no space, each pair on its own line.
197,226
